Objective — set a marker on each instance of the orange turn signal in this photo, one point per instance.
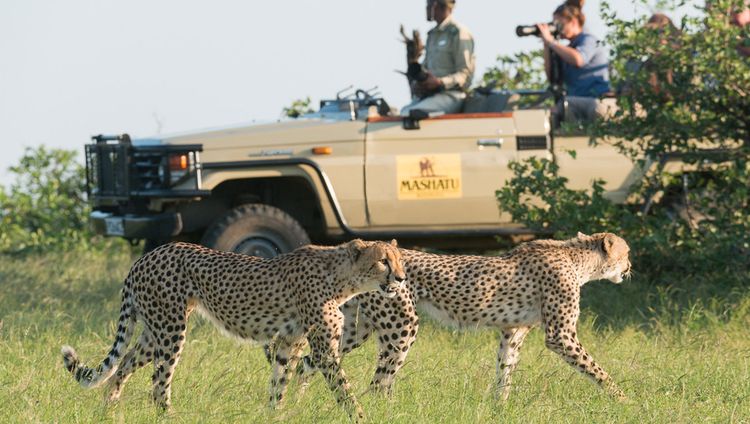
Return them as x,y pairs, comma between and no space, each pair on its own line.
325,150
178,162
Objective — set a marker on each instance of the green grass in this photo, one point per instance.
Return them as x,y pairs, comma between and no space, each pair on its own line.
680,349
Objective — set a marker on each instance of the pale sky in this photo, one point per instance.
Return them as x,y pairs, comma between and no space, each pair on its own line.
71,69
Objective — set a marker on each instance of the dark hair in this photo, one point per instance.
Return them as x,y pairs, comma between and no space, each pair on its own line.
662,22
571,9
448,4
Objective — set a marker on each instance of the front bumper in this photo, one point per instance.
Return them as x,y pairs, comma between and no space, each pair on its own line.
152,227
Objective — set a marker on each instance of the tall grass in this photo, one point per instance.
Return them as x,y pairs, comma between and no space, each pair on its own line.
680,350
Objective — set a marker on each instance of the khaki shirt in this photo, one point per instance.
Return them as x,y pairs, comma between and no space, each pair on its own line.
449,54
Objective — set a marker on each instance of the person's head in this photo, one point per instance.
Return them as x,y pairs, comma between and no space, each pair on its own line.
741,16
661,23
570,17
439,10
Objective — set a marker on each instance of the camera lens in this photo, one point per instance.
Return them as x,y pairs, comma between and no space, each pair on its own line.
526,30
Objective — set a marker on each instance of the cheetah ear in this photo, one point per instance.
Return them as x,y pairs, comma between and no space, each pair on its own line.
394,243
580,235
356,247
614,246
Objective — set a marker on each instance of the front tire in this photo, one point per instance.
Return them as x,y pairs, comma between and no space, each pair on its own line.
257,230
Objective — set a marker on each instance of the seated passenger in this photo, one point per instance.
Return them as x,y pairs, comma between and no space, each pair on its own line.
449,63
658,76
740,17
585,66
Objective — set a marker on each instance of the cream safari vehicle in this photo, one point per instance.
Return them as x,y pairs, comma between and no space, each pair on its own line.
351,169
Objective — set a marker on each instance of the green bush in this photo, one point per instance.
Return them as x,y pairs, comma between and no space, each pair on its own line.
298,108
44,207
697,109
662,243
521,70
680,88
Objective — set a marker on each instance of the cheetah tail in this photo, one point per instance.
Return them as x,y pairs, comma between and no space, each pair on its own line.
94,377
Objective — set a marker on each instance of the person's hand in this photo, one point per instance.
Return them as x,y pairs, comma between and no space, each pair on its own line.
416,91
430,85
545,34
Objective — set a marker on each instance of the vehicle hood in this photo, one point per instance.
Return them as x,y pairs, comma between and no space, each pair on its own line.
280,133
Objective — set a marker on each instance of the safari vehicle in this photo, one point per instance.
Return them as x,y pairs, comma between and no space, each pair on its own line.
351,169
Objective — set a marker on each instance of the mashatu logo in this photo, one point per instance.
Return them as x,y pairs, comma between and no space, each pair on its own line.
429,177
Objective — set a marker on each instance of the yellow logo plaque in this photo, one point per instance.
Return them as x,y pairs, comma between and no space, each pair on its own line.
435,176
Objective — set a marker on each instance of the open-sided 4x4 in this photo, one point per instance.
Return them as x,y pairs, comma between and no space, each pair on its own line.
348,170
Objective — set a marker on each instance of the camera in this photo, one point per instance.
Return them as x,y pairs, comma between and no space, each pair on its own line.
525,30
416,72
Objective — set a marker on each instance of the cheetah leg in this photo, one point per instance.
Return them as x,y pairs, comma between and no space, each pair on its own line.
397,325
560,336
285,356
324,343
168,350
140,355
507,357
357,329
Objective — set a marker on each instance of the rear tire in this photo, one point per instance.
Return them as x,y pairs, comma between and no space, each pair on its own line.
257,230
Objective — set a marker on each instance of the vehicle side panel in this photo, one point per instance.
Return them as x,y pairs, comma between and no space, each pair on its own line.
444,173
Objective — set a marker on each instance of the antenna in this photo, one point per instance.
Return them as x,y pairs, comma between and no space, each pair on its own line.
338,95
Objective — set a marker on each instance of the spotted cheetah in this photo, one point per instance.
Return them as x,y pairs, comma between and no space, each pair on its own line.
294,297
536,283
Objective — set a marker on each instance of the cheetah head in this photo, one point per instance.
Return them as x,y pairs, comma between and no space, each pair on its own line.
377,266
615,264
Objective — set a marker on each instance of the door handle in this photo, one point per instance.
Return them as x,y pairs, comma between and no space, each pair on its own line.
489,142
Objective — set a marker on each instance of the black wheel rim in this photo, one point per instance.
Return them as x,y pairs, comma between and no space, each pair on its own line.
262,247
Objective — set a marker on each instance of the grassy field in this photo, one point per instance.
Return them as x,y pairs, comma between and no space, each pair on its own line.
679,348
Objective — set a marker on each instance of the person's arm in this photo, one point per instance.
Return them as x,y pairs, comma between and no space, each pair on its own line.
567,54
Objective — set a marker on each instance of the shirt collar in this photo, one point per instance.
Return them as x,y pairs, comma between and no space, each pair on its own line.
444,24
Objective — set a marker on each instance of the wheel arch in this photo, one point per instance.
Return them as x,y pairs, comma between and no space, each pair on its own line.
297,186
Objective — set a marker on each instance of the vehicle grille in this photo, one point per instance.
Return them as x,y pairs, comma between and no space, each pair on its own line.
149,171
531,142
119,171
107,170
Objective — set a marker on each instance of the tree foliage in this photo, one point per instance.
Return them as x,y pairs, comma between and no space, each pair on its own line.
44,207
298,108
662,244
521,70
682,95
679,88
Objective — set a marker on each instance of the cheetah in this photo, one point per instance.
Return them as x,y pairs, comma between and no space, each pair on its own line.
293,298
536,283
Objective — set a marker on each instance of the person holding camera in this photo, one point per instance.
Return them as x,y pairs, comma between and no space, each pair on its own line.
583,64
448,63
740,17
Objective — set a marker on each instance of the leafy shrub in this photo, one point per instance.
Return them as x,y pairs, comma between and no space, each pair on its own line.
662,243
683,87
521,70
45,206
298,108
688,97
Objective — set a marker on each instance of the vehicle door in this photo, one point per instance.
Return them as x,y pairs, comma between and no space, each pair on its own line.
443,173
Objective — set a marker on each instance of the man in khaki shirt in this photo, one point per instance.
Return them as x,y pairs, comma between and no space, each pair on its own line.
449,61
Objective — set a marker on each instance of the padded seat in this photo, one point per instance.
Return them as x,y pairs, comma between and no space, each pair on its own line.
495,101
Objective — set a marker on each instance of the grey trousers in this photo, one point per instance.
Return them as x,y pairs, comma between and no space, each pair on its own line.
589,108
447,101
